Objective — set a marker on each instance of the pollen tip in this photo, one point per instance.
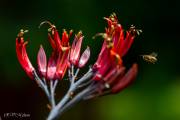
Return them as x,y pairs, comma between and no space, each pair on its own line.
88,47
64,30
22,32
105,18
94,37
114,14
107,85
64,48
41,46
71,31
79,34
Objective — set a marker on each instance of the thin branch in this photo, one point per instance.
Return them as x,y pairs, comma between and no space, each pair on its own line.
74,85
52,94
42,85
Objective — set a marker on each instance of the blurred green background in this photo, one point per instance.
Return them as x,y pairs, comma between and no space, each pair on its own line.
155,95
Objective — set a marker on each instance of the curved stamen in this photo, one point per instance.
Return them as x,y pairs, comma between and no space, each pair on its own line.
49,23
103,35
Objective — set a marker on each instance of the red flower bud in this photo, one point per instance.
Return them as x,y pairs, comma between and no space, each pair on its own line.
124,81
41,61
51,69
76,48
84,58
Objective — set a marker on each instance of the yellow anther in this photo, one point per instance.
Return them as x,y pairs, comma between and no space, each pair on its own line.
64,48
110,45
64,30
109,39
70,33
114,14
112,27
22,32
79,34
105,18
112,18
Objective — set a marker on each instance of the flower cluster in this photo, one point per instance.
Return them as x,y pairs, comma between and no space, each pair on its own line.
109,69
108,74
62,55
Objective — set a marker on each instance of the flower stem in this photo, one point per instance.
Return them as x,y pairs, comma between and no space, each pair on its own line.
55,112
42,85
53,85
76,99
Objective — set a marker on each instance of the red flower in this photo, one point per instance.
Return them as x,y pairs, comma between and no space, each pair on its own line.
60,53
57,64
22,54
109,68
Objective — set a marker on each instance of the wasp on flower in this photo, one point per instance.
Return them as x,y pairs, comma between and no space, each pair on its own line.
107,75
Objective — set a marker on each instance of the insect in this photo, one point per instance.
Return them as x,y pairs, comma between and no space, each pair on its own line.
151,58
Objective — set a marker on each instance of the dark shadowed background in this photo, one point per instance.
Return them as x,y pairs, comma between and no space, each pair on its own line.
155,95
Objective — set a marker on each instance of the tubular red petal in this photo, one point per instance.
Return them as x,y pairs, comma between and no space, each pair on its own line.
52,42
23,57
103,67
117,34
51,69
115,73
65,39
57,39
72,48
19,49
102,56
27,64
127,44
42,61
103,49
120,43
84,58
62,64
126,80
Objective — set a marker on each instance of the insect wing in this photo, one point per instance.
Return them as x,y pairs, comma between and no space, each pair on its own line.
153,54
